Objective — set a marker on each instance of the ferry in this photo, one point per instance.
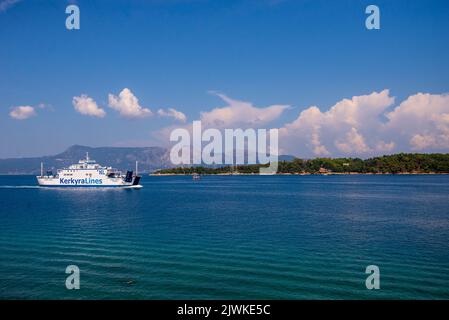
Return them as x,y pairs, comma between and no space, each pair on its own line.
88,173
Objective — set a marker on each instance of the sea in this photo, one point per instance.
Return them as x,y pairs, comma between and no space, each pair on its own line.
228,237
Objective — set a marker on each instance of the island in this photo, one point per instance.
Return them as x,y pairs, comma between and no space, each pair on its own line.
402,163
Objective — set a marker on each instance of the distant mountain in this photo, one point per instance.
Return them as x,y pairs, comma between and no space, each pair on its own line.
150,158
122,158
286,158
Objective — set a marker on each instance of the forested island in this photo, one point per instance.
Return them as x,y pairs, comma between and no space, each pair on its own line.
402,163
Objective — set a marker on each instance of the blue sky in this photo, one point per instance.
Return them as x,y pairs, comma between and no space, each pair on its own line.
172,54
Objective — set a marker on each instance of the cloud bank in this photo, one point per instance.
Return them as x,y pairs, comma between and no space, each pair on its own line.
363,126
360,126
422,121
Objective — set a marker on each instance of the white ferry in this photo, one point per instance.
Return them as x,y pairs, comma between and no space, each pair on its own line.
88,173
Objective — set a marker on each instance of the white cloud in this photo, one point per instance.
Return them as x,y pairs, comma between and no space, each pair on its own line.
345,129
173,113
382,146
127,104
353,143
240,114
422,121
420,142
236,114
361,126
364,126
22,112
87,106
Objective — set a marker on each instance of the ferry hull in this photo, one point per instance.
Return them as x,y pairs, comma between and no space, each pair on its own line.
88,174
77,183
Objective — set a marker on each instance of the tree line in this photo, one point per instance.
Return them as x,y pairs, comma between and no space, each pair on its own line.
396,163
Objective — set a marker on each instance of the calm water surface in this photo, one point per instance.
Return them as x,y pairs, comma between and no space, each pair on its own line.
228,237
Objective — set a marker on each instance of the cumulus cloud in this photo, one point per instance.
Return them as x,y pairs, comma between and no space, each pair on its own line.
422,121
353,142
240,114
360,126
127,104
345,129
382,146
87,106
235,114
22,112
172,113
370,125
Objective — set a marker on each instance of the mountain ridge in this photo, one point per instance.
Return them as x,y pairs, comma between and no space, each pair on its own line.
123,158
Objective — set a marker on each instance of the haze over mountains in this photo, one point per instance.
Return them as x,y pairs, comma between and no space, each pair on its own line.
123,158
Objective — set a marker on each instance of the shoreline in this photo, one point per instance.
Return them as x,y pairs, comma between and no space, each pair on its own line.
275,174
301,174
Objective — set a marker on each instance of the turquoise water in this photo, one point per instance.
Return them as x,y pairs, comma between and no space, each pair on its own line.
228,237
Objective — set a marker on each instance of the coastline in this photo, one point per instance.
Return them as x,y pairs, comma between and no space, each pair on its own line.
275,174
301,174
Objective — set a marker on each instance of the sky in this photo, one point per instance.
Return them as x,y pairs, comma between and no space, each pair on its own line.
137,69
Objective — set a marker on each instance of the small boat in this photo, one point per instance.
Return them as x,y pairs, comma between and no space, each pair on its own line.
88,173
196,176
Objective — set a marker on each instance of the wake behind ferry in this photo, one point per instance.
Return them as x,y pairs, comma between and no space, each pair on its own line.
88,173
